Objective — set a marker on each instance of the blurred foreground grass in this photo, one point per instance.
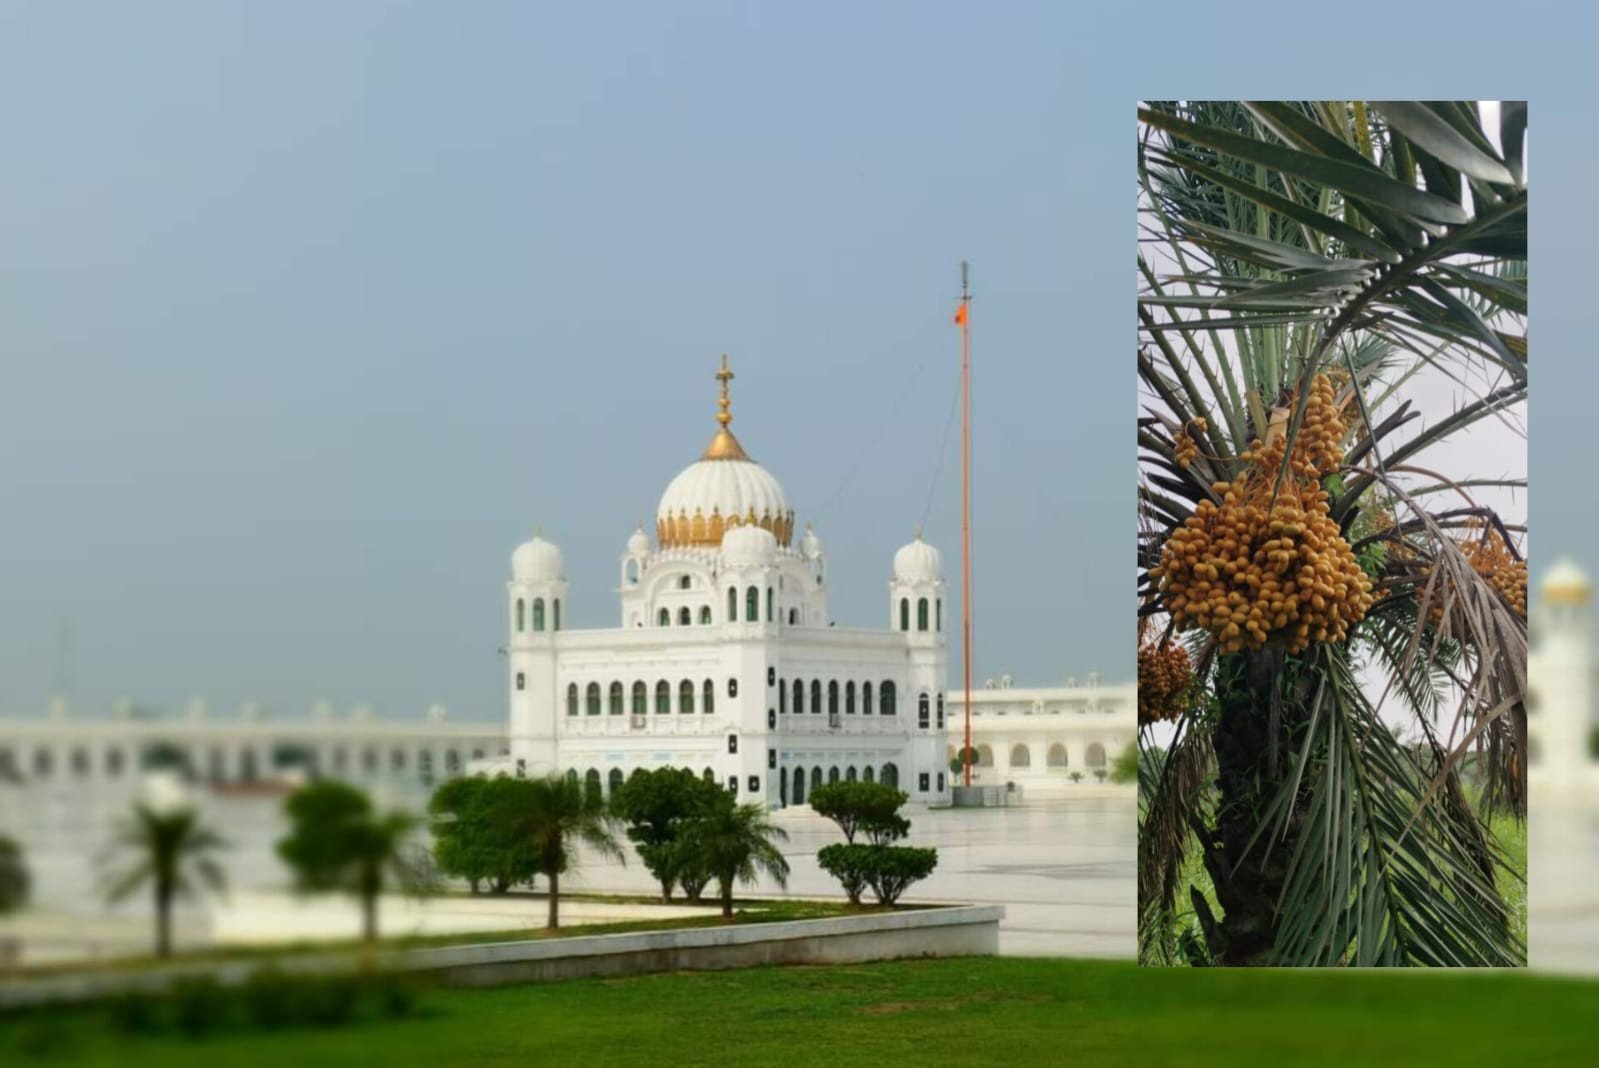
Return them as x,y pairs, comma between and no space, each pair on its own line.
932,1012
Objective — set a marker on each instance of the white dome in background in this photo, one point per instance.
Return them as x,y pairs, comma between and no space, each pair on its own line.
1566,583
537,561
918,562
810,544
639,543
748,547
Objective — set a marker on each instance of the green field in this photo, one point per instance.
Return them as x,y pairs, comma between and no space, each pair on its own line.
964,1011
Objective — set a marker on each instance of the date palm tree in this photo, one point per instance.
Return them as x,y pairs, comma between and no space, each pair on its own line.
735,843
170,850
1382,245
563,813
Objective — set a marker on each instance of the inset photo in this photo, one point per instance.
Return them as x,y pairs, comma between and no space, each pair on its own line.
1332,533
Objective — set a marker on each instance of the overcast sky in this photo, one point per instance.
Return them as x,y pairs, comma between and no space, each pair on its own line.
313,312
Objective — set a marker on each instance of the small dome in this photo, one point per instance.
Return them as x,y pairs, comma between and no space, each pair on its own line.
537,561
918,562
639,543
748,547
1566,583
810,544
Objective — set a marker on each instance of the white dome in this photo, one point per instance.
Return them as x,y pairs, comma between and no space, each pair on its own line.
537,561
721,494
1566,582
918,562
810,544
639,543
748,546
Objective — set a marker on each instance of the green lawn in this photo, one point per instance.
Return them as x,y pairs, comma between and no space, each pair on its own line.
965,1011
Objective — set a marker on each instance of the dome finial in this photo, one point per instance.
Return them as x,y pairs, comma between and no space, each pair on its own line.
538,530
724,446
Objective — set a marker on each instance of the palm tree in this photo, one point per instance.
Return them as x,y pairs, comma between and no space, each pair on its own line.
734,843
1306,269
339,842
563,813
14,881
173,852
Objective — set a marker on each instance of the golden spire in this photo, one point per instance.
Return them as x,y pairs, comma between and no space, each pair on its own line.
724,446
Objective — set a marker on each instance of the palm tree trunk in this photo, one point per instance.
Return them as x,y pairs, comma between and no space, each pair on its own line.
555,900
727,898
369,915
163,919
1251,745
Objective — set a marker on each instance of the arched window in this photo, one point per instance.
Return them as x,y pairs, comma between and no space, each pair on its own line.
816,697
832,698
591,785
816,779
113,763
684,582
869,774
799,697
940,720
904,613
616,698
708,697
887,692
849,774
922,711
705,615
938,613
732,604
452,762
685,697
571,699
616,778
793,616
799,786
477,754
664,618
849,698
866,698
1020,757
684,617
593,707
832,774
249,769
641,698
752,605
521,615
1095,757
557,625
663,697
1057,756
769,605
632,572
782,698
709,775
538,613
571,776
921,613
985,757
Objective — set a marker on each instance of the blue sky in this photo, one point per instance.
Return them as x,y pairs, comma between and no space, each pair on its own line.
308,313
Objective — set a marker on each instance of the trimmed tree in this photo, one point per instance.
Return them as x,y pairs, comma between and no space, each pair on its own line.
656,805
479,832
338,842
14,880
867,808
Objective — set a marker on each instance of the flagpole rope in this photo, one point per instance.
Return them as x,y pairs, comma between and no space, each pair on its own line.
943,445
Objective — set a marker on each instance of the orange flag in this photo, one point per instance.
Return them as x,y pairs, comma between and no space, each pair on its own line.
960,315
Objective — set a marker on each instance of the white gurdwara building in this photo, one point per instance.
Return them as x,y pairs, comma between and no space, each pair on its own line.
725,660
1561,714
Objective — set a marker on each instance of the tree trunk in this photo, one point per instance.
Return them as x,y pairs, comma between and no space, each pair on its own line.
369,915
163,920
555,901
727,898
1251,744
666,891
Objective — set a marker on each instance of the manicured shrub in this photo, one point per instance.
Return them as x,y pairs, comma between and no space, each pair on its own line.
199,1005
866,808
270,999
849,864
330,1000
134,1012
895,868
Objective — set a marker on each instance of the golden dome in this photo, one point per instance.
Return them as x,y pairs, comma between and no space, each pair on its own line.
723,490
1566,584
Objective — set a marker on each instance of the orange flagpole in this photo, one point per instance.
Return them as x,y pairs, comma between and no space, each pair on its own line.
963,318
